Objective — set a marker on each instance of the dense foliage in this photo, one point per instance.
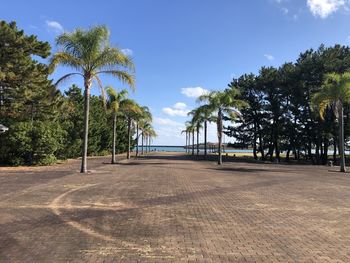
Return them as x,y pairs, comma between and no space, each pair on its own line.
281,118
45,125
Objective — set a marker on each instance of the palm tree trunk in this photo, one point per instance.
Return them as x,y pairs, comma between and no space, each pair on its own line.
146,144
137,139
87,84
149,145
129,138
198,139
193,142
143,139
114,137
219,124
205,138
341,139
186,142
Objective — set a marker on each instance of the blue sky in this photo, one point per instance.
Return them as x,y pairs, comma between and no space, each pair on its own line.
184,47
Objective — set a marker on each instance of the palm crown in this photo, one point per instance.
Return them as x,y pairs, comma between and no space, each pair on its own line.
334,93
89,53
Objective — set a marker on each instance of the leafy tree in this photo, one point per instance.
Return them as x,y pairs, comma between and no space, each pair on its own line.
27,99
250,129
335,93
131,111
113,104
221,103
143,120
88,52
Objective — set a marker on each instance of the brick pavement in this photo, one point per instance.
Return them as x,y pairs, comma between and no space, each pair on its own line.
169,208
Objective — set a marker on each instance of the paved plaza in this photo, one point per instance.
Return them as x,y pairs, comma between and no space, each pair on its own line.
171,208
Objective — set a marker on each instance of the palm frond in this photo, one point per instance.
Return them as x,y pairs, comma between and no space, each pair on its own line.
102,90
122,76
66,78
112,58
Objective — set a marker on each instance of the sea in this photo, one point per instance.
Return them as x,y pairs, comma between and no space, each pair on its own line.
155,148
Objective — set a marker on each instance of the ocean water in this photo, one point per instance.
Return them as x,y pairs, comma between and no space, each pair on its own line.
182,149
156,148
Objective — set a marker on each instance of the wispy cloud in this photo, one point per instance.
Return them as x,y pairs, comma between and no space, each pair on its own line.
127,51
179,109
167,122
324,8
194,92
180,106
168,131
54,26
285,10
269,57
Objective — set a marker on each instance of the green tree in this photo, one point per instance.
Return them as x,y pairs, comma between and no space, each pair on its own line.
142,122
191,129
334,93
131,111
202,115
221,102
27,99
88,52
113,104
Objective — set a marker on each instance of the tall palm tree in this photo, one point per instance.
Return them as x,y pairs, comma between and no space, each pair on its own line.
222,102
146,126
149,133
131,110
202,114
191,127
198,126
182,132
88,52
113,103
335,92
142,119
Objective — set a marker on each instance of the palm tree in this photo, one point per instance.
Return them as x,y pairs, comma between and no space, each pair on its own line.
146,126
149,133
88,52
131,110
142,119
335,92
221,102
191,127
186,134
203,115
197,126
113,103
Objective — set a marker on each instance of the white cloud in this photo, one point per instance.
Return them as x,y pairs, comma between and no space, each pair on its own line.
269,57
178,109
54,26
175,112
168,131
324,8
127,51
180,106
194,92
167,122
